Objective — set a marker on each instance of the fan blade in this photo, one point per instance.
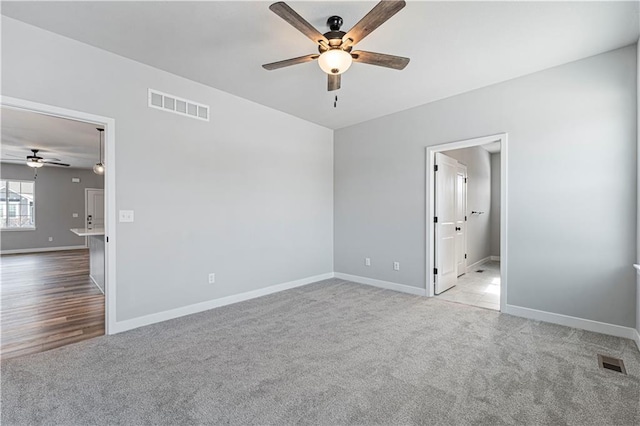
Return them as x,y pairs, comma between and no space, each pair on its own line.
333,83
46,160
57,164
372,20
289,62
380,59
291,16
16,156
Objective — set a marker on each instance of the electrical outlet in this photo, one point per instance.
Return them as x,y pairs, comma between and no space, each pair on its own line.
396,266
367,261
212,278
50,238
74,215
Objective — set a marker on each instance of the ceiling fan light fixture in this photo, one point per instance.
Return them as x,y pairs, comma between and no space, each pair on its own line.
35,164
335,61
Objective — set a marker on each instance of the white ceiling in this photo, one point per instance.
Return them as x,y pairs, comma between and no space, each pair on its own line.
73,142
454,47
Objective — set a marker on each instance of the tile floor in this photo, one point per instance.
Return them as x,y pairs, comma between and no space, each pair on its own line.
480,289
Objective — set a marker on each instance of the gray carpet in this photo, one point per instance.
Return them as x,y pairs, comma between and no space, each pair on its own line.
330,353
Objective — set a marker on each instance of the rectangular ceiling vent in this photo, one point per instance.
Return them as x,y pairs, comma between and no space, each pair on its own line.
178,105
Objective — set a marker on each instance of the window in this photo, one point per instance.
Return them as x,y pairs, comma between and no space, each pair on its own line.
17,204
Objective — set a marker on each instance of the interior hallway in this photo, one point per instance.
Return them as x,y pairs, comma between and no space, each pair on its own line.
47,300
475,288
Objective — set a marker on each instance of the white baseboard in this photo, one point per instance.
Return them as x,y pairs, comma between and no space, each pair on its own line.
42,250
471,267
382,284
495,258
121,326
575,322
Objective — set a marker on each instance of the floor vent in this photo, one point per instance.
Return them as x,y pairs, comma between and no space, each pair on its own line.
609,363
170,103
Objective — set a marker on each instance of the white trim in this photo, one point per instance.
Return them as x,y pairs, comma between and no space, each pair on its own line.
130,324
636,338
478,263
495,258
96,283
430,208
466,227
109,188
382,284
42,249
637,267
575,322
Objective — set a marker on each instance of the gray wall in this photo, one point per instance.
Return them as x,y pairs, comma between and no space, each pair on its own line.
262,180
478,162
56,199
571,196
495,204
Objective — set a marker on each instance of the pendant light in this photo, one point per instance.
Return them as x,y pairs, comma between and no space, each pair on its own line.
99,167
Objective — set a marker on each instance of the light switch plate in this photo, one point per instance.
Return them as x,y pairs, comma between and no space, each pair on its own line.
75,215
126,215
75,180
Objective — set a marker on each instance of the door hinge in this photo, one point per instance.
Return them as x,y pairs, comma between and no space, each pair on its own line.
465,218
465,180
435,219
435,168
435,271
107,239
465,255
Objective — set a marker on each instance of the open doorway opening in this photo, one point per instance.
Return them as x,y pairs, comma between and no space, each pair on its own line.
466,222
54,287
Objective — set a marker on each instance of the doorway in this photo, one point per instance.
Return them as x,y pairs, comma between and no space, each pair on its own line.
466,221
106,206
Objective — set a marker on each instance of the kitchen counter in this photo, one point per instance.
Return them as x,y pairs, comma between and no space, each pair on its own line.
85,232
95,242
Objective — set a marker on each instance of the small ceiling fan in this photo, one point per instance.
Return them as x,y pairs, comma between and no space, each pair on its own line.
335,47
36,161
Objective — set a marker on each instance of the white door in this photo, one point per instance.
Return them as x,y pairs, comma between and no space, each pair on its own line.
445,223
94,208
461,217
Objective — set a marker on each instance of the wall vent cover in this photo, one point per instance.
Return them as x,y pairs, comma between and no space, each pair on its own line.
177,105
610,363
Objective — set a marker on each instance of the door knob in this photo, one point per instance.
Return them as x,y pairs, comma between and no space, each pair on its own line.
458,229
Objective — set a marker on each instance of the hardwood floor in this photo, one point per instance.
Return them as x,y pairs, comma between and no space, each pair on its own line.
47,301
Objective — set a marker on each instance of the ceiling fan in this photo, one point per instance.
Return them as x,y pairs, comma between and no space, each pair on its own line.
36,161
335,47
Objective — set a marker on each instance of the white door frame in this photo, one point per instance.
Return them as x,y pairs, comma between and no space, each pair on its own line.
430,208
109,190
466,234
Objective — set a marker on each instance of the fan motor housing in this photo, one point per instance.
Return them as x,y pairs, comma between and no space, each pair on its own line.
335,40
